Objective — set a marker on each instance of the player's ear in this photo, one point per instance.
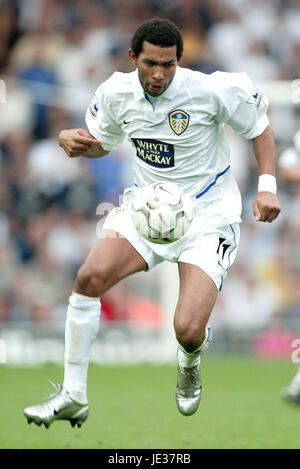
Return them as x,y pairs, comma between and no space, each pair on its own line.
179,60
132,56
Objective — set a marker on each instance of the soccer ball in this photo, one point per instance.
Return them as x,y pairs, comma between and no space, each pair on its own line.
162,212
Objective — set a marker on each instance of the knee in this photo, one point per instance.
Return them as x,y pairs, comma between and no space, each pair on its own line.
189,333
91,280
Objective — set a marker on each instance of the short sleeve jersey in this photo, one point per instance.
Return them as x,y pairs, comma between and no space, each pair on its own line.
181,137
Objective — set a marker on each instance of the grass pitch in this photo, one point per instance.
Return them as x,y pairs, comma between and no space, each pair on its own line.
134,407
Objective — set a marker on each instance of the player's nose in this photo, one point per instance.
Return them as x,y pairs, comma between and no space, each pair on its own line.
158,75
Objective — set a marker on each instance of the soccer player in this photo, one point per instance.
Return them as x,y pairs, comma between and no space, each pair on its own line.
174,118
289,170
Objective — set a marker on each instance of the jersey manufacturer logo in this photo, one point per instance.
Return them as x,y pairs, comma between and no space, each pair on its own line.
154,152
179,120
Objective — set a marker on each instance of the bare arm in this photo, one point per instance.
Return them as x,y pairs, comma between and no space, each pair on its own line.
266,206
264,148
79,142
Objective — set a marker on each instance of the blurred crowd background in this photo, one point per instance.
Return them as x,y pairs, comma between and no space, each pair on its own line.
53,55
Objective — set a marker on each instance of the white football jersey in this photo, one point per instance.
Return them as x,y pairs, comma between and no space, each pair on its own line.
180,137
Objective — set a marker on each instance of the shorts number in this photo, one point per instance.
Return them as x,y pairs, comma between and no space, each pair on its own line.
224,247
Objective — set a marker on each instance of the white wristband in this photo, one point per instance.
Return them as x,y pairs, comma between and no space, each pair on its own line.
267,183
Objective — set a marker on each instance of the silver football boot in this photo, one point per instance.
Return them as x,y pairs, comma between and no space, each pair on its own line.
60,406
188,389
189,386
292,393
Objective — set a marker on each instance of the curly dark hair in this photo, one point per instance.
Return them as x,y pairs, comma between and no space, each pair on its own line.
159,32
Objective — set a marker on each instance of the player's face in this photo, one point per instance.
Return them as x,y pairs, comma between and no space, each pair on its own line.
156,67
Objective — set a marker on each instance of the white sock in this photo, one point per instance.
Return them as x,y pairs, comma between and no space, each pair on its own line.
82,325
189,359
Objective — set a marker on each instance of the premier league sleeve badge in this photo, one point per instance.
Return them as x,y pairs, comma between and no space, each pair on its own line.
94,107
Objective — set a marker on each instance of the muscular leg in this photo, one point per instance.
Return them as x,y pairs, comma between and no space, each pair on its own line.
112,259
197,296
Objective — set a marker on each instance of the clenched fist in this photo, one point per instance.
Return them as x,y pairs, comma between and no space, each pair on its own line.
266,206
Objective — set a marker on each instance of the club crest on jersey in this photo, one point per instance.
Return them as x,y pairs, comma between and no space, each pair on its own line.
179,120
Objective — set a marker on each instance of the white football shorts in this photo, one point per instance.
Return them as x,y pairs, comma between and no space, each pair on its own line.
212,248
